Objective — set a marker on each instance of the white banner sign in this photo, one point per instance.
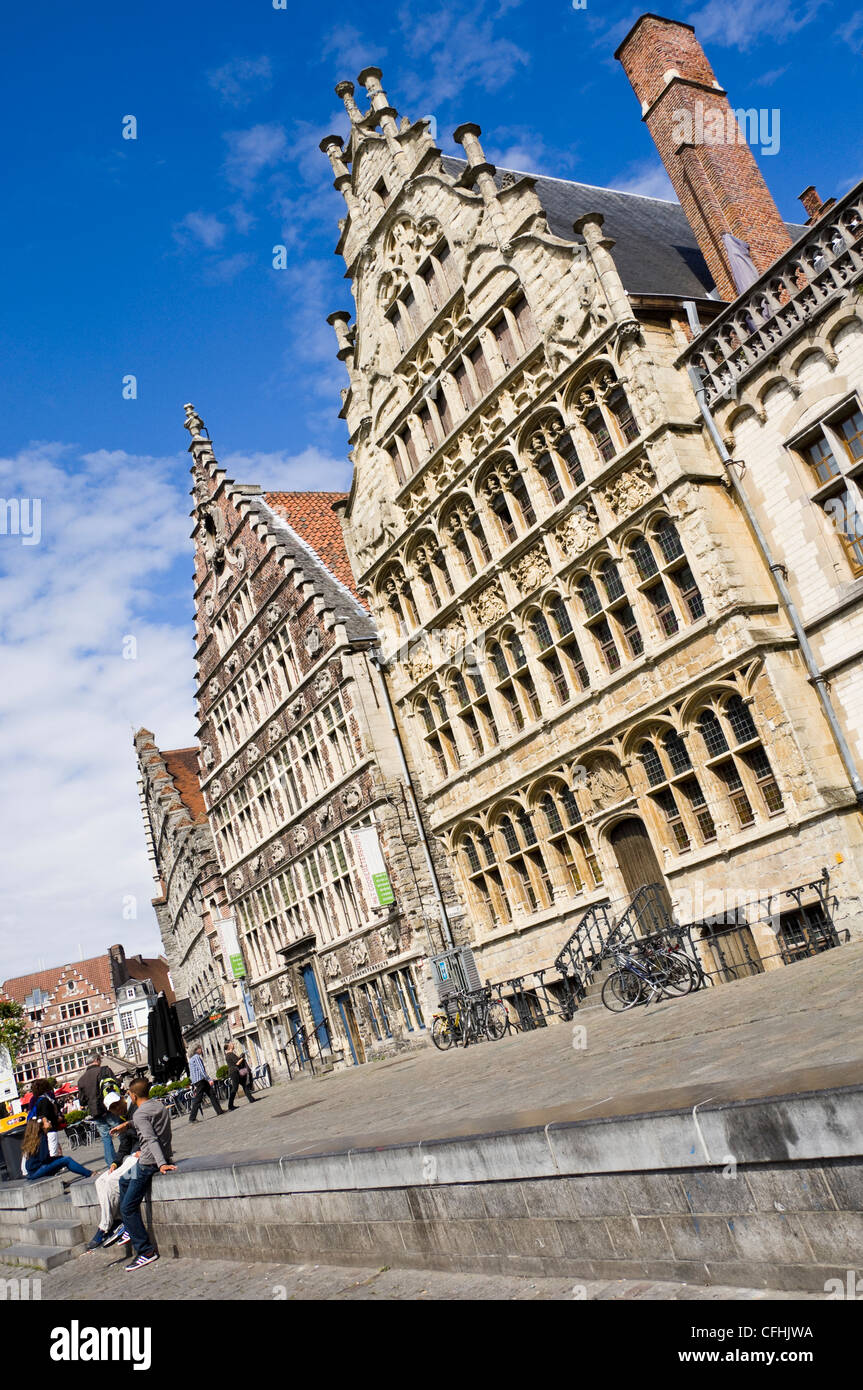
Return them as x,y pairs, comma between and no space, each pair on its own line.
231,947
371,861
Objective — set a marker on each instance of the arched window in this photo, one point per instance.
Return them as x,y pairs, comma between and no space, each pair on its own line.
676,792
483,877
513,679
664,577
549,445
505,491
606,414
431,566
467,535
611,620
440,744
528,871
737,758
568,840
398,598
557,649
473,709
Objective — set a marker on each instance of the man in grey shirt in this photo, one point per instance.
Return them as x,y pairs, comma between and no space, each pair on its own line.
152,1124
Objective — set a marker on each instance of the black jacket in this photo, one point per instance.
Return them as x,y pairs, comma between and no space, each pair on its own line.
127,1141
88,1090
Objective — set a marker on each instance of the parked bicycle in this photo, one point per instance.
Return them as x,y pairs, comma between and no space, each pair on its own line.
478,1014
645,973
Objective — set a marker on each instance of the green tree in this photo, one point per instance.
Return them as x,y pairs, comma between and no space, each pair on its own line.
13,1027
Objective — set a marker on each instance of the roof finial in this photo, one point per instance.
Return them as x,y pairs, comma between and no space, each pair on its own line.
194,424
370,78
345,90
339,323
332,148
467,136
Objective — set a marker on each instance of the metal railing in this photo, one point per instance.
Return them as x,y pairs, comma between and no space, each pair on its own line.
302,1052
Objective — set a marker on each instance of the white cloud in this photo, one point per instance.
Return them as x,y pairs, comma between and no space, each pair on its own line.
311,470
456,49
647,178
348,52
851,31
225,269
114,544
242,79
522,149
252,151
732,25
203,227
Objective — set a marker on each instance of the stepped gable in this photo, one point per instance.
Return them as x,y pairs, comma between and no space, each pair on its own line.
96,970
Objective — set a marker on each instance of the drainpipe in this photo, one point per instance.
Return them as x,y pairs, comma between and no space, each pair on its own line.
376,658
778,573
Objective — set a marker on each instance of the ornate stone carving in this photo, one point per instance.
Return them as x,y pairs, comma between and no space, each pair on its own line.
323,683
628,491
313,641
250,641
489,605
257,864
215,790
578,530
532,570
207,755
606,782
298,709
332,969
209,606
213,688
301,836
389,940
237,881
274,612
359,953
277,853
352,798
560,349
274,733
252,754
419,664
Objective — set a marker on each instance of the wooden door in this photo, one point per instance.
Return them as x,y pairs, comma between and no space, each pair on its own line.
635,856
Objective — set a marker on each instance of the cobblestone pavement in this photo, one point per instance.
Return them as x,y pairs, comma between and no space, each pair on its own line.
736,1041
100,1275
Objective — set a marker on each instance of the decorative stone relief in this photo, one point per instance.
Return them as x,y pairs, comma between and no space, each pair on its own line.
252,754
237,881
301,836
232,663
323,683
209,606
277,853
606,782
332,969
274,733
578,530
298,709
359,953
250,641
352,798
390,940
274,612
213,688
420,664
215,790
632,488
257,864
530,571
489,605
207,755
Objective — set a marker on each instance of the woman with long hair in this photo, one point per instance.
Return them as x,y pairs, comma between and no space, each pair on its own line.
43,1106
36,1160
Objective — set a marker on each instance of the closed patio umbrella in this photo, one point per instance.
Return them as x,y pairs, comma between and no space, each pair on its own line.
166,1054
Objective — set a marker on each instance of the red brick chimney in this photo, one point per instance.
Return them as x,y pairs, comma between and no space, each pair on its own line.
717,180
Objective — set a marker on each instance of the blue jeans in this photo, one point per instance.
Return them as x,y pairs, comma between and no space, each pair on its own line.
133,1189
57,1165
104,1125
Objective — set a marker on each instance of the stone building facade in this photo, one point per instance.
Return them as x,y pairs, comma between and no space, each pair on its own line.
586,650
190,900
318,845
75,1008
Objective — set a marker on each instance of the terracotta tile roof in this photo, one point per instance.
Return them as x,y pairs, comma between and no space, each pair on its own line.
312,517
182,764
97,970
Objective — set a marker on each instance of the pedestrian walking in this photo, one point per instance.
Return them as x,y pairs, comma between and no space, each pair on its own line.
239,1074
201,1086
93,1085
152,1122
36,1160
127,1145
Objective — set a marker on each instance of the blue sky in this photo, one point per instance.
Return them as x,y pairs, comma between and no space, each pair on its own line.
153,257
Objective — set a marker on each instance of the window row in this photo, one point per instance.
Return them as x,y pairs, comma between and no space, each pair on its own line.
315,757
321,892
258,691
833,452
462,386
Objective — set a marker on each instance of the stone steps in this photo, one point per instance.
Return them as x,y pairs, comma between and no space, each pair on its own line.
36,1256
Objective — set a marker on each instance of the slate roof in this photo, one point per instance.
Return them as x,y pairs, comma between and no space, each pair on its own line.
655,248
182,765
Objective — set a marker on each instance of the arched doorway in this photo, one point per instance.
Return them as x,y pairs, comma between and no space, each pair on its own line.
636,858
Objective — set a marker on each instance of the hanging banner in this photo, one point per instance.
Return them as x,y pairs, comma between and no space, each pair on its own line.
8,1089
231,947
371,861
